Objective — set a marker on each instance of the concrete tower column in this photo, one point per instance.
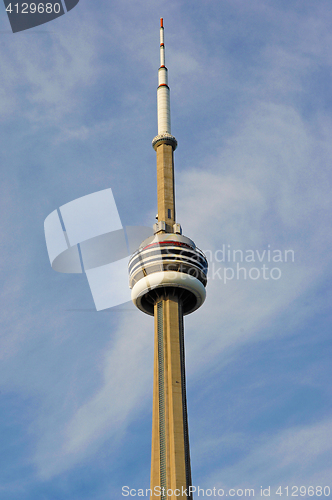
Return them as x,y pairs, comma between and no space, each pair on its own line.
170,458
165,185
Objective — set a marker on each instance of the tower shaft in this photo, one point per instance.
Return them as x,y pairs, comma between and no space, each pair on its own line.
170,458
165,185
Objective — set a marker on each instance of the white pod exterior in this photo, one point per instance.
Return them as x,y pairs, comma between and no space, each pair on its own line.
165,280
168,263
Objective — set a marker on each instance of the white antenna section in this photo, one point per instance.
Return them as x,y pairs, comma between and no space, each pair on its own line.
163,97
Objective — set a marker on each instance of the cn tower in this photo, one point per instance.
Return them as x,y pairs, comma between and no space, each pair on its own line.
167,277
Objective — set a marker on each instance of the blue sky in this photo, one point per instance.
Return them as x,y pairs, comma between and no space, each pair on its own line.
252,112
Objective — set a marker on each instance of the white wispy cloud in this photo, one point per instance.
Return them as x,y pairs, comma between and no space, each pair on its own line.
121,396
298,456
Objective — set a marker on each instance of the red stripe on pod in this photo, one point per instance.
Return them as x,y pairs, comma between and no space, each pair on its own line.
168,242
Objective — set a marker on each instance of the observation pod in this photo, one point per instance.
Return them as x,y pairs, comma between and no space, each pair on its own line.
168,264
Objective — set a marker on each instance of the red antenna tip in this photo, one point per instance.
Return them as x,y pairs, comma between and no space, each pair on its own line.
161,22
